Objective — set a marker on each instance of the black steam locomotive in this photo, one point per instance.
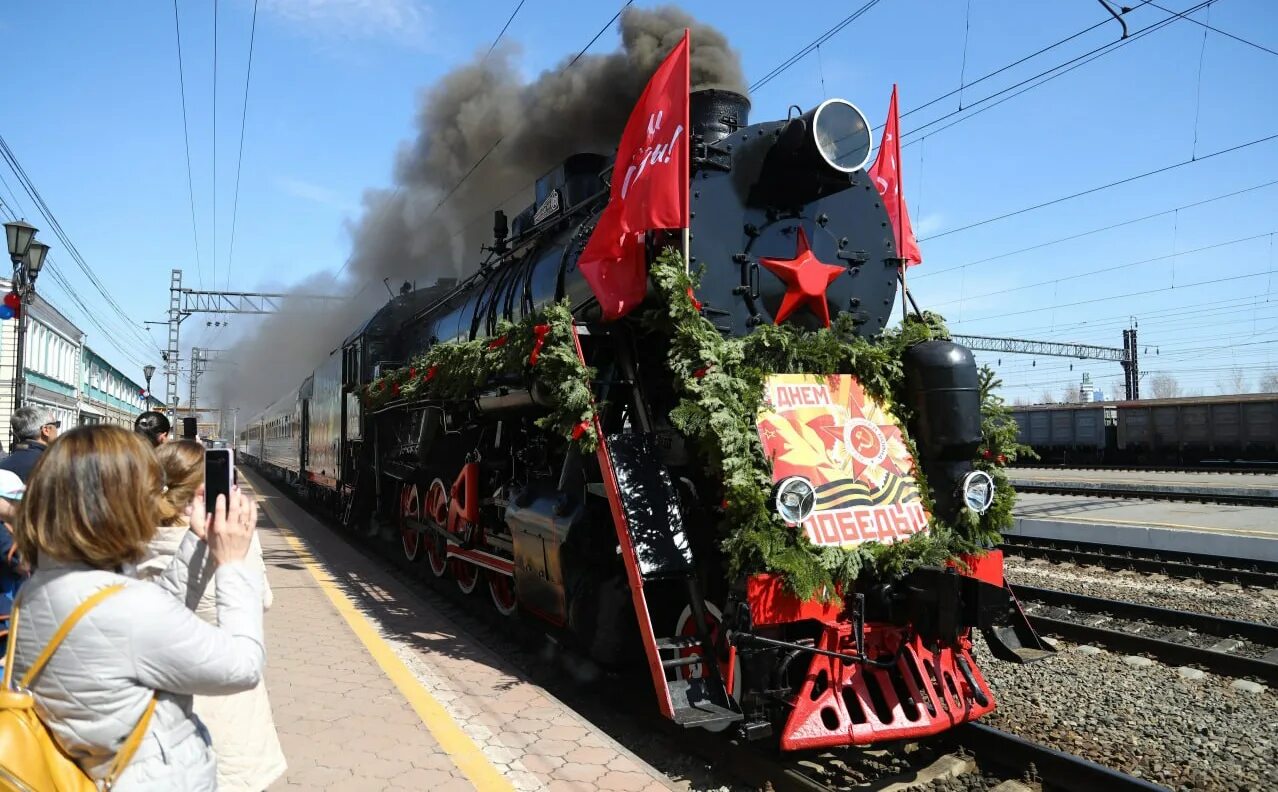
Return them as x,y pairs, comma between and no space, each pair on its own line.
618,548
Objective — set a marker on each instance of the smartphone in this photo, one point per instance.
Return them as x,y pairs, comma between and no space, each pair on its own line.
189,428
219,475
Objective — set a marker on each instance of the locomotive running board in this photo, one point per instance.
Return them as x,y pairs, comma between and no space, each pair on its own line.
689,702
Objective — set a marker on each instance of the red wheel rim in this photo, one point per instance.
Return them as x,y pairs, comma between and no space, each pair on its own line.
409,509
502,589
467,575
435,513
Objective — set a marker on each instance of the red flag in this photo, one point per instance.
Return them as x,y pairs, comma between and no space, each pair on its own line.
649,188
886,173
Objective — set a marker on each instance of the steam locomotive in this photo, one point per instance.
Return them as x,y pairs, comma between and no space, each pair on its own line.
617,549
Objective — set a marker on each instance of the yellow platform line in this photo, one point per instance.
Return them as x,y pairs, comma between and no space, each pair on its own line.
456,743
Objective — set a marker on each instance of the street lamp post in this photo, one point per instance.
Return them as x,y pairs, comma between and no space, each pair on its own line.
148,372
28,259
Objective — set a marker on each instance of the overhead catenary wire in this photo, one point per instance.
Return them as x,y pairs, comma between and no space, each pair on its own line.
963,86
812,46
1112,268
1207,26
1041,78
213,145
111,335
504,27
239,160
186,137
1089,232
7,154
1106,186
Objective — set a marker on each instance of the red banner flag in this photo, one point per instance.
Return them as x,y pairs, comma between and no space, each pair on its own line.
886,173
649,188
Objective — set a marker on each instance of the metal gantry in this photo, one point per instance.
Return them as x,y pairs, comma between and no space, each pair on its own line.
200,359
185,302
1127,356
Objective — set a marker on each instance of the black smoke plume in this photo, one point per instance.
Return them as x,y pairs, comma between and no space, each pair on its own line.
432,223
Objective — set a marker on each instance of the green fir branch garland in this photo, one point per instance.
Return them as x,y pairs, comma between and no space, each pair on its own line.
458,370
721,384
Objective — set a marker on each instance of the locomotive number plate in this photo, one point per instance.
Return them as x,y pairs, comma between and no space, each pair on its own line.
851,449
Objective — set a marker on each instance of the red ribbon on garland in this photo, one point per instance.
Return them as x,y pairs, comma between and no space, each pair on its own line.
412,372
580,429
498,342
539,333
394,388
430,373
695,302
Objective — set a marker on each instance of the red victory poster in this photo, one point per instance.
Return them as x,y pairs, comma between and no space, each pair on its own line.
828,431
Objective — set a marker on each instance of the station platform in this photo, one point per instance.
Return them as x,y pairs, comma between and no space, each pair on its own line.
1244,484
1214,529
373,688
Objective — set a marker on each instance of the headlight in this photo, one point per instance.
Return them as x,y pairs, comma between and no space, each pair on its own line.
978,491
795,499
842,134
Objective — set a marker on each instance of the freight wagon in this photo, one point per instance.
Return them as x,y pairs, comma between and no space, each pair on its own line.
1180,431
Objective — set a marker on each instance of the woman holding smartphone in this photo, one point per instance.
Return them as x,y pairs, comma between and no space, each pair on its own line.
131,665
248,750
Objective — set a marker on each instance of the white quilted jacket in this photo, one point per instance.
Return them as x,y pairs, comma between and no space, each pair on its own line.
249,756
137,642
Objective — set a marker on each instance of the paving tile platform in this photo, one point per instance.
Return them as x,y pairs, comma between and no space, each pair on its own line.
373,688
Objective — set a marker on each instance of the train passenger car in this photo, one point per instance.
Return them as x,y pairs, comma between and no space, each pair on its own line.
280,429
322,412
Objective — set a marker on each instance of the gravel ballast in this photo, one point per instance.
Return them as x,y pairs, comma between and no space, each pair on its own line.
1193,734
1227,600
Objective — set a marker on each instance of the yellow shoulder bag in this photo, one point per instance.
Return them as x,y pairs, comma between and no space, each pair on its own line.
30,758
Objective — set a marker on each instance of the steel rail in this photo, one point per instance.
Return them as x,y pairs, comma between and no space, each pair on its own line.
1139,493
1058,770
1194,566
1171,653
1207,624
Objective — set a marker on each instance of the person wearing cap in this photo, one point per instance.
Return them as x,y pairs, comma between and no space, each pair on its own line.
12,569
33,430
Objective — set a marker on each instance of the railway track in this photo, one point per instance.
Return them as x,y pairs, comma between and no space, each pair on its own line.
1128,492
1193,566
1223,646
974,748
1235,468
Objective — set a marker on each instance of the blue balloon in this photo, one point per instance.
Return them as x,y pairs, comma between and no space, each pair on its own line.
6,312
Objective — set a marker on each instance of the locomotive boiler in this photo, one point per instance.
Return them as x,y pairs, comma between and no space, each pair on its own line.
620,548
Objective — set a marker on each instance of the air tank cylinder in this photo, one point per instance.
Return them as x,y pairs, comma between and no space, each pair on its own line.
943,391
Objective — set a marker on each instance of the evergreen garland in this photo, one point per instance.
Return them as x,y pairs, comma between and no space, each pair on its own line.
541,349
721,383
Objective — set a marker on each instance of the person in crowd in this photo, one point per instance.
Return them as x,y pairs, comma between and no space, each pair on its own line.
154,426
89,511
249,757
33,430
12,569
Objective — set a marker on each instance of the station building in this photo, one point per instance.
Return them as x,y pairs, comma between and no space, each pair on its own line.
63,374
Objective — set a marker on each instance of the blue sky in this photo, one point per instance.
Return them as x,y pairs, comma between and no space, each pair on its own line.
335,88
